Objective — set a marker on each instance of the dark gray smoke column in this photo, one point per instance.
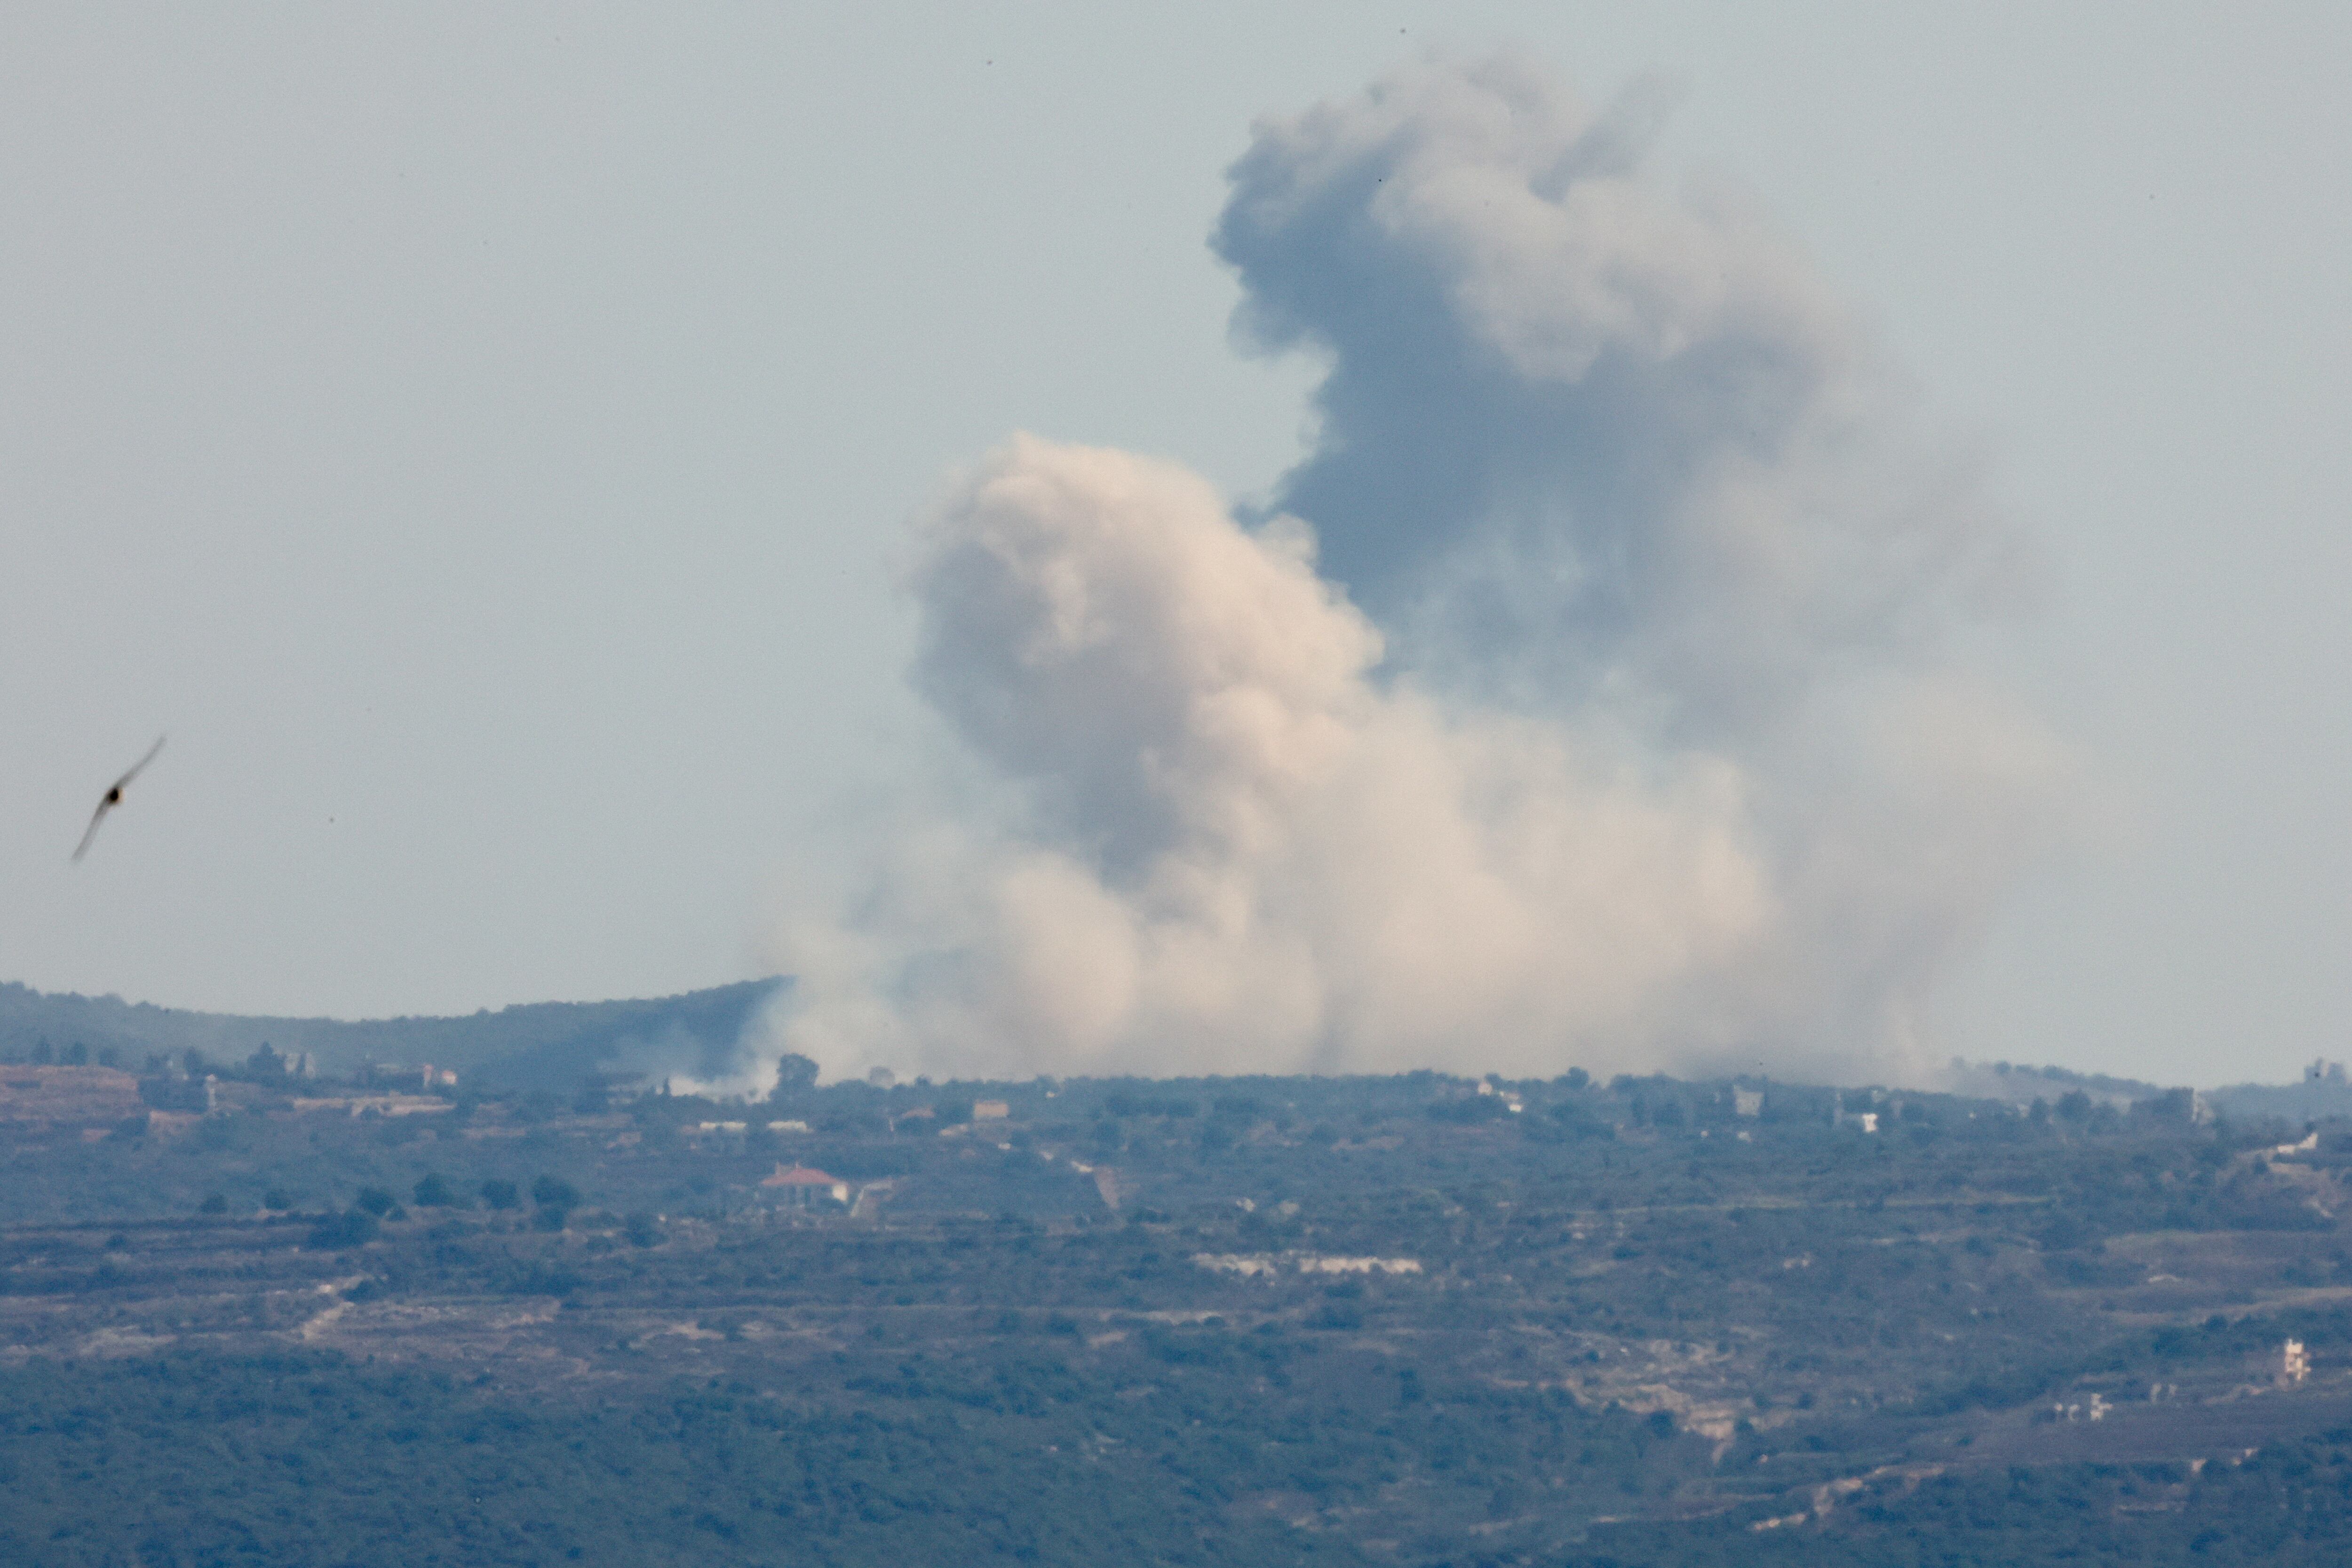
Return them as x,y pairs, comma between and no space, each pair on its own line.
1578,436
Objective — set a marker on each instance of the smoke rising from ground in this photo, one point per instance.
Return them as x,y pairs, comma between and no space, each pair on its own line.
1582,699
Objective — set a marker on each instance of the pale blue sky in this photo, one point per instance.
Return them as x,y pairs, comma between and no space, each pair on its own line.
482,440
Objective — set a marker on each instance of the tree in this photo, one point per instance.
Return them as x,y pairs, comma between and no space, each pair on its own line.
500,1195
433,1193
795,1074
556,1200
353,1227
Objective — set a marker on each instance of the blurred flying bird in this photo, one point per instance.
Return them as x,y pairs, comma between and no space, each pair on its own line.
113,797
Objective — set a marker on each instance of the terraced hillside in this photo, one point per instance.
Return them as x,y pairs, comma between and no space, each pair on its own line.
1404,1320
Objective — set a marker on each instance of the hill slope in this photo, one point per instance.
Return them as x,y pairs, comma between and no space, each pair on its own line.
541,1045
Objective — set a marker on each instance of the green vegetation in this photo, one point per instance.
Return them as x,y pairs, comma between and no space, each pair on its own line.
304,1460
545,1044
1411,1320
2289,1506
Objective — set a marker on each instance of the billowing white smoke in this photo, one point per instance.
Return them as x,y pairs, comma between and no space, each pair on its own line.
1662,767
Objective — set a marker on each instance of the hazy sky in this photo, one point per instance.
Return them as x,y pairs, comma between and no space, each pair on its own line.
484,443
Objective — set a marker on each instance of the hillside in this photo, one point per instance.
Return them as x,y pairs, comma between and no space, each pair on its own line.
1405,1322
2322,1094
542,1045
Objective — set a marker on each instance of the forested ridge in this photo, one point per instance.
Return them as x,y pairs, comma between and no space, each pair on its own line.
538,1045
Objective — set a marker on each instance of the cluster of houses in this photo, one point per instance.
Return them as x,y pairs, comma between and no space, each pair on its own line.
45,1096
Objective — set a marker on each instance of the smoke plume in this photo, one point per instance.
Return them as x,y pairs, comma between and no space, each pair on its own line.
1585,696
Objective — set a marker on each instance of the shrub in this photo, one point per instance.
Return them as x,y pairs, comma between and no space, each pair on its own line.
353,1227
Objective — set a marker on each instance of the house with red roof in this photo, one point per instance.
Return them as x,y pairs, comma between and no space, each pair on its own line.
801,1185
